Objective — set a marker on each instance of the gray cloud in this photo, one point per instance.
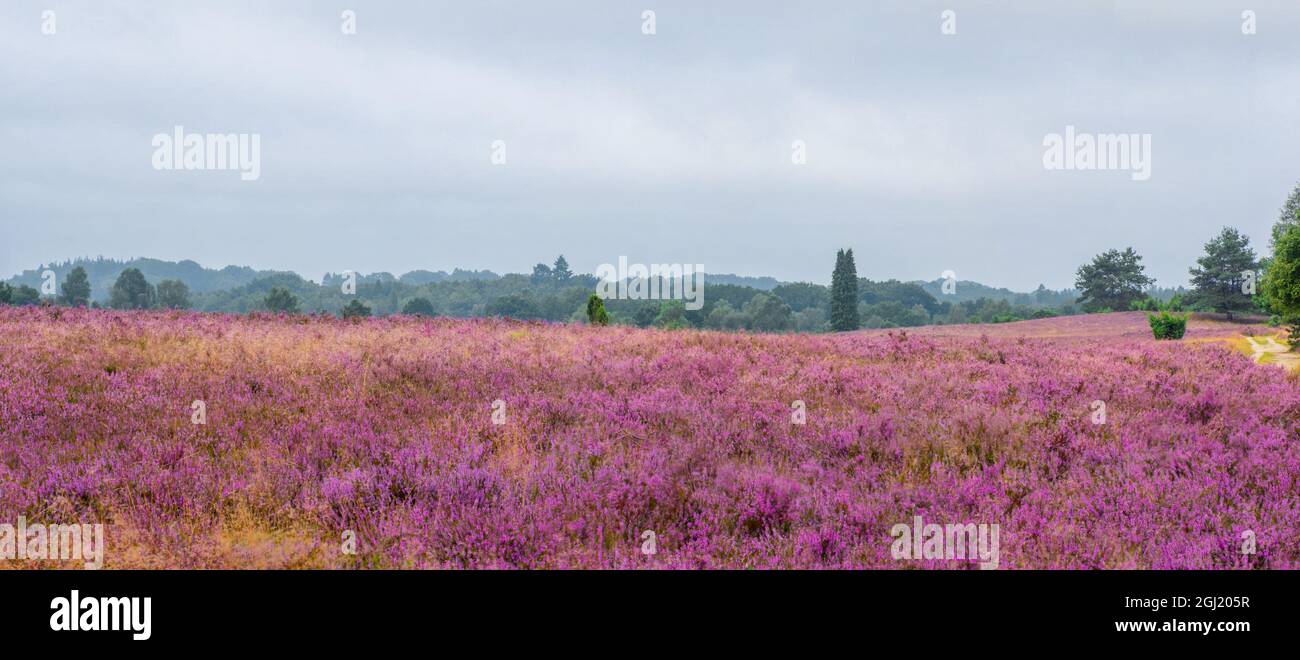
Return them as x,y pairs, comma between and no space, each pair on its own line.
924,151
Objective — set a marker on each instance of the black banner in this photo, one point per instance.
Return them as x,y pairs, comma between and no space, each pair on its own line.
935,609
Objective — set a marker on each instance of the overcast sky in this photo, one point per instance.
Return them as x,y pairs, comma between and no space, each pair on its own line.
924,151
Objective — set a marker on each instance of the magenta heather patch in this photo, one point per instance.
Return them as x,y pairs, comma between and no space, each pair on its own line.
486,443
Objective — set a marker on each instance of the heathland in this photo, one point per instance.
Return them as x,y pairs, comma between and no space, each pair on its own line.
213,440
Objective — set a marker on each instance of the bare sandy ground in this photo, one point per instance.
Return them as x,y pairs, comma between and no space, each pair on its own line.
1268,350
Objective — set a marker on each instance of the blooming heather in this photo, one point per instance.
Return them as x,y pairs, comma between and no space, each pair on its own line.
385,428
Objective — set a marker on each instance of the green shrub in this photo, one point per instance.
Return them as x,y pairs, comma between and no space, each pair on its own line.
418,307
596,314
1293,335
355,310
279,300
1167,326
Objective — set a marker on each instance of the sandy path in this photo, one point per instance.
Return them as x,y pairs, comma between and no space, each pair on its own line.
1282,355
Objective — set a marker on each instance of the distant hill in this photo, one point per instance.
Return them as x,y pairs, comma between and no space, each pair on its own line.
415,277
760,283
103,272
418,277
967,290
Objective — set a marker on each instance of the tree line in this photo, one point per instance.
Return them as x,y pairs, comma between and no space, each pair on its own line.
1228,278
552,292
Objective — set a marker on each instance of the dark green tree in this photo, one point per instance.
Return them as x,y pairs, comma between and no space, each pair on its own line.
560,271
513,306
1112,281
173,294
1281,285
724,316
1288,216
1144,305
354,309
596,314
26,295
280,300
907,294
645,314
1220,276
132,291
844,293
768,313
672,315
418,307
802,295
18,295
541,274
76,288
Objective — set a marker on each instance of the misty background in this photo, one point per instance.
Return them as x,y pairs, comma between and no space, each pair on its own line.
924,150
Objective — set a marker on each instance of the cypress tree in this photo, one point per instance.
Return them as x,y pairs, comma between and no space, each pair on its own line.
844,292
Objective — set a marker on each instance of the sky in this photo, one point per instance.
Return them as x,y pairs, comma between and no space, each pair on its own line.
922,151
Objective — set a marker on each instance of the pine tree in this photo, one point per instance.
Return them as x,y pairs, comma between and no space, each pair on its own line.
1219,276
1288,216
1112,281
844,292
561,271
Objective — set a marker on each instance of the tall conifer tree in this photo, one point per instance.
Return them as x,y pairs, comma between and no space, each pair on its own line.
844,292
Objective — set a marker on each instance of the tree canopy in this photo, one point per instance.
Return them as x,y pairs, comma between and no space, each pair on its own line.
1282,281
1288,216
560,271
173,294
132,291
280,300
76,288
354,309
1112,281
418,306
1219,278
